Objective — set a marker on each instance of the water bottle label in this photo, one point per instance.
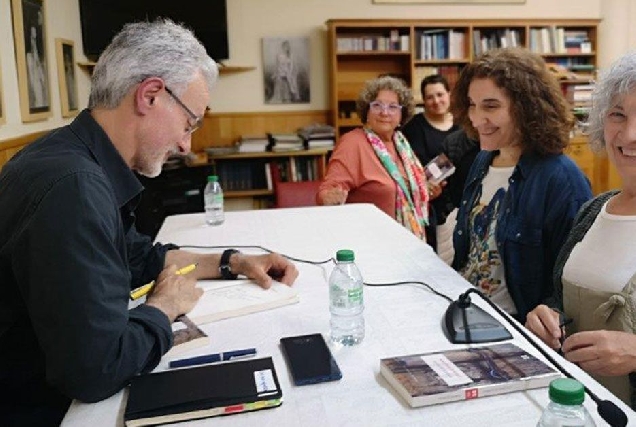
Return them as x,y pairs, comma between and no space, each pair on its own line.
341,298
355,296
338,297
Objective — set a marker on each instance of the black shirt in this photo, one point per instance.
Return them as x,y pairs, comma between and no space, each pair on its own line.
426,142
69,256
425,139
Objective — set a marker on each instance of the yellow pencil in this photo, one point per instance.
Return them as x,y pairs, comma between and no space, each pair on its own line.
143,290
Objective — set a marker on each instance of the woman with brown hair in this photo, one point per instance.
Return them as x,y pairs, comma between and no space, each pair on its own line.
522,192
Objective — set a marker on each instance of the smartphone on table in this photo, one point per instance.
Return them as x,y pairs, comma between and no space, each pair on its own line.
309,359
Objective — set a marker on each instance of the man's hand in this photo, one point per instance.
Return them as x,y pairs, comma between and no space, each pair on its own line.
607,353
544,323
262,268
174,294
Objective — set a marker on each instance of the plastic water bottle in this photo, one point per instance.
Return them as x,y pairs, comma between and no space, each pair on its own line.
213,200
346,301
566,406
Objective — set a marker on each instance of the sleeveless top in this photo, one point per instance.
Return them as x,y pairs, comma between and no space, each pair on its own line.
593,310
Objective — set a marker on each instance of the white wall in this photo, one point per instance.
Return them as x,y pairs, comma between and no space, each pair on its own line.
251,20
62,20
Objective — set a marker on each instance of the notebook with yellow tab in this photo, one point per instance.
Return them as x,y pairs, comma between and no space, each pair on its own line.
202,391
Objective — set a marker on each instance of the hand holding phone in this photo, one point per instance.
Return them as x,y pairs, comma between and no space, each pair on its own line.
309,359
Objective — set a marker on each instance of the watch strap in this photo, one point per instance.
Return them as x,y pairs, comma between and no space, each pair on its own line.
224,264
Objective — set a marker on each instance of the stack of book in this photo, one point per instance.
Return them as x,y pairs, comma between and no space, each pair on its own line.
318,136
580,94
253,143
284,142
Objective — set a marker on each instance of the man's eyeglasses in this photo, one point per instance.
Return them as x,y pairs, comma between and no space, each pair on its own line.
379,107
198,121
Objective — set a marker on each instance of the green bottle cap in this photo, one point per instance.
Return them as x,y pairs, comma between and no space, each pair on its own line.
566,391
345,255
213,178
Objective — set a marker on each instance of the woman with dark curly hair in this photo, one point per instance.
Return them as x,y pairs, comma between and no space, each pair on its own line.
375,163
522,192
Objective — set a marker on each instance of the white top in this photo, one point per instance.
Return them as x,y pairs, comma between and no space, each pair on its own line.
495,179
399,320
596,264
484,268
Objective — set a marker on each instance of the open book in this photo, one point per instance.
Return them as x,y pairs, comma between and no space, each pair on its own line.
468,373
223,299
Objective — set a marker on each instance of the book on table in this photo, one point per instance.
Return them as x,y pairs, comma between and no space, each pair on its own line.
468,373
202,392
186,335
223,299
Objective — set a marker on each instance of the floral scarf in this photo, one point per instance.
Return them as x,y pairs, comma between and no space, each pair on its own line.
411,201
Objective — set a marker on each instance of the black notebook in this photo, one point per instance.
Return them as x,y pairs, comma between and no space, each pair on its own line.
203,391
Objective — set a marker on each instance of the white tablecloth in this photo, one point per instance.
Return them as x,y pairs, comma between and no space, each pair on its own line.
400,320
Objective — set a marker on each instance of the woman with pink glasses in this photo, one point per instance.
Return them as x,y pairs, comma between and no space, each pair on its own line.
375,163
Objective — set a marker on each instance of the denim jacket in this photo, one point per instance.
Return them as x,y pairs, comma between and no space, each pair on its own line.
543,197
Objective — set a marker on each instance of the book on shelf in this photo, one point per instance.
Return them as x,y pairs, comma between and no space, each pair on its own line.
284,142
467,373
253,143
439,168
223,299
186,335
321,143
317,131
202,392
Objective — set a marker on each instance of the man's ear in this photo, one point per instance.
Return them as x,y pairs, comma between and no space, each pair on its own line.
146,95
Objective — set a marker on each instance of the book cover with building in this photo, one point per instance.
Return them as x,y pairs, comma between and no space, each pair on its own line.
469,373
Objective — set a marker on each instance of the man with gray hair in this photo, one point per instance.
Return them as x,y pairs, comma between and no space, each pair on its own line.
69,250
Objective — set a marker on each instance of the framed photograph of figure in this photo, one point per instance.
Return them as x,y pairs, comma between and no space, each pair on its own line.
65,54
29,33
286,70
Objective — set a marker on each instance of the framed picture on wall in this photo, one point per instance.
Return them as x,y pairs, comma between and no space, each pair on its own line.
67,80
29,31
286,70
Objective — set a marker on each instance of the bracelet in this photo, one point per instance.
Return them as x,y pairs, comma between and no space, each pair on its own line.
224,265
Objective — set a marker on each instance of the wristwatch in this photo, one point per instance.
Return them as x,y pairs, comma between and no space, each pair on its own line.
224,265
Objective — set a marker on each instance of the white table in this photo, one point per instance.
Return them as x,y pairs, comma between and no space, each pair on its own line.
400,320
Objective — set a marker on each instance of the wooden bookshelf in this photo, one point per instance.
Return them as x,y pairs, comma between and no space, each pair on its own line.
363,49
252,175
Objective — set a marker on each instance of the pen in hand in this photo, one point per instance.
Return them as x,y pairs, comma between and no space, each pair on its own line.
563,322
143,290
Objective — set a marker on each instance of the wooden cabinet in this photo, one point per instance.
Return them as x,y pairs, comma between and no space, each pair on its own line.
593,166
363,49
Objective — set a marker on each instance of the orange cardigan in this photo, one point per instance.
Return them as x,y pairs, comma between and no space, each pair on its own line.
355,167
